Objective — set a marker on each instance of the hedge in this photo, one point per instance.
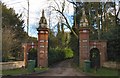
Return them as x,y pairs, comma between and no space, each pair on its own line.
57,54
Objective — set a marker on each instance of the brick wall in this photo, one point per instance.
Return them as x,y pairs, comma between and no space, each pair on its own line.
11,65
110,65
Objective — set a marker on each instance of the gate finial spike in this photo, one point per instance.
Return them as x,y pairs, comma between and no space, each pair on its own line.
43,13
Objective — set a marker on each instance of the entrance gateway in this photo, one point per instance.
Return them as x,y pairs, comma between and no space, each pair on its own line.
87,48
86,45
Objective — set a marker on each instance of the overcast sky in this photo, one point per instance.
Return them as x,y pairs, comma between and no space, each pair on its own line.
36,7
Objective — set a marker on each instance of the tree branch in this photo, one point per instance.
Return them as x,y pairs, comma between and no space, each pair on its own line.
68,25
61,12
57,4
74,3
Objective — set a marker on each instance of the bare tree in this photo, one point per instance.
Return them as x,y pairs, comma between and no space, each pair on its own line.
60,8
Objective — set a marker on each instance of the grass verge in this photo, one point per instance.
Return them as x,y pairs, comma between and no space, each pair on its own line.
14,72
104,72
22,71
100,72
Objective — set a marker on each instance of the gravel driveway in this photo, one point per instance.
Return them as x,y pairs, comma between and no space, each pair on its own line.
63,68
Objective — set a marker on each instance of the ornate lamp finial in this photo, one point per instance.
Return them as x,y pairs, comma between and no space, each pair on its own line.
83,11
42,22
83,21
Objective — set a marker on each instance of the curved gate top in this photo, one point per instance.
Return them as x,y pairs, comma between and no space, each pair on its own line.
27,47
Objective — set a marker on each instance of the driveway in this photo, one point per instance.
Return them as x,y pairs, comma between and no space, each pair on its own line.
63,68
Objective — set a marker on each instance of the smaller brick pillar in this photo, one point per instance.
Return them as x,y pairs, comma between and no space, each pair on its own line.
25,54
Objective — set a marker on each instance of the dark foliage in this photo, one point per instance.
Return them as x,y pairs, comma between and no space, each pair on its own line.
56,55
